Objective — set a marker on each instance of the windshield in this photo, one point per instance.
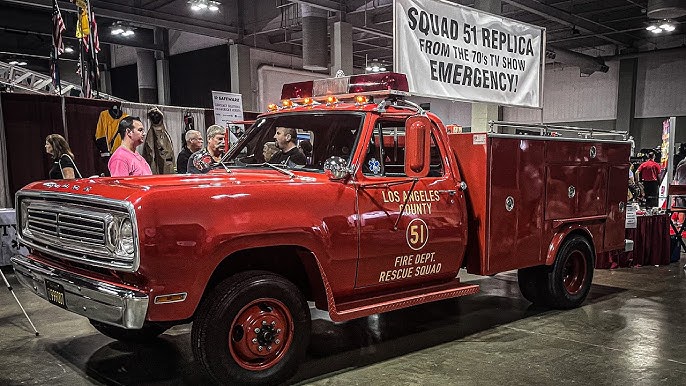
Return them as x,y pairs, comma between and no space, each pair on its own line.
297,141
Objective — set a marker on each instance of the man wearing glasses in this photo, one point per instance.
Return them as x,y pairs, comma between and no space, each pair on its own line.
194,143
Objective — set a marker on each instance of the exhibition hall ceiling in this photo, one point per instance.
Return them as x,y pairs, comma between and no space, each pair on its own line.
608,28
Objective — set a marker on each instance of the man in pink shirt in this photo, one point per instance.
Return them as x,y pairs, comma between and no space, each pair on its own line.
125,161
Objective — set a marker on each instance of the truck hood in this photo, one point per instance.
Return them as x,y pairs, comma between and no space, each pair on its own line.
124,187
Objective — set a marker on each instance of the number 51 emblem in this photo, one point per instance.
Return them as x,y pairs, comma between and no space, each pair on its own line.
417,234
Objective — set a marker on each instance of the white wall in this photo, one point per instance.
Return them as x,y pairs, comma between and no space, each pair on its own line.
661,85
569,97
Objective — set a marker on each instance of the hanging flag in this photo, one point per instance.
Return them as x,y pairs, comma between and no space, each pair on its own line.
94,32
55,72
57,28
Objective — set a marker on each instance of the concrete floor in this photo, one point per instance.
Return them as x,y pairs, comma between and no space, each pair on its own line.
630,331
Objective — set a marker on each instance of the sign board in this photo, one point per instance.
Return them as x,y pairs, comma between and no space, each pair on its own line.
666,161
451,51
228,107
631,220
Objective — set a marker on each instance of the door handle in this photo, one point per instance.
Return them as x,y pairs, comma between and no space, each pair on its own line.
451,192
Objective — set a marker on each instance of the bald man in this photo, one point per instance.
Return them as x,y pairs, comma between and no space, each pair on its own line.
194,143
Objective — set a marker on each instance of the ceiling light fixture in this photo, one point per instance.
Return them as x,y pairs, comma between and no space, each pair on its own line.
121,29
202,5
68,50
659,26
375,66
13,63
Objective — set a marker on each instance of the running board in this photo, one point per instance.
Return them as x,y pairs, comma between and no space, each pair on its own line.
375,305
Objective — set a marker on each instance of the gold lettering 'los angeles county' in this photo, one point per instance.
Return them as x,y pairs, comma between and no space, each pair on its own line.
418,202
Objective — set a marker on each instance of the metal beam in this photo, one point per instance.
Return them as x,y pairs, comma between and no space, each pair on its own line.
565,18
154,4
327,5
143,17
376,32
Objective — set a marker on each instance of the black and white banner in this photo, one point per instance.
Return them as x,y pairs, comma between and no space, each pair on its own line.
456,52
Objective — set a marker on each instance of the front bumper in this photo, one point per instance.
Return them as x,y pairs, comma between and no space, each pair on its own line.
85,296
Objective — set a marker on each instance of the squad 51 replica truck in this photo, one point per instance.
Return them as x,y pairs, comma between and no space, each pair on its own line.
383,215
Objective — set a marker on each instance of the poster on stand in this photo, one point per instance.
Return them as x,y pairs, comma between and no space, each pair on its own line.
450,51
228,107
666,161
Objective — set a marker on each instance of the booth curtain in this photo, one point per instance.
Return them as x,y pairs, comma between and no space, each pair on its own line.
28,119
173,120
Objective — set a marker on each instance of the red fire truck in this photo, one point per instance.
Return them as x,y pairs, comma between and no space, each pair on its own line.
386,210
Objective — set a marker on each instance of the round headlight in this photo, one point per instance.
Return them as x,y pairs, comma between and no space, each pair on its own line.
126,237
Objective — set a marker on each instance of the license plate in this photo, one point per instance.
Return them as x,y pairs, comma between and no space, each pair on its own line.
55,293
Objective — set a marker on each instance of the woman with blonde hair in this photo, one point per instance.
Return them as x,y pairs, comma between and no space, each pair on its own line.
64,165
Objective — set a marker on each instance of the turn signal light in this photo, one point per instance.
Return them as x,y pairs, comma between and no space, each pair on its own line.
272,107
330,100
287,103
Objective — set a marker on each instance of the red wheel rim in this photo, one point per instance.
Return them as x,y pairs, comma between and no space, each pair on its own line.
261,334
574,272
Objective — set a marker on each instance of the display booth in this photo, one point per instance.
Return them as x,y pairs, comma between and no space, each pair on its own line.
26,119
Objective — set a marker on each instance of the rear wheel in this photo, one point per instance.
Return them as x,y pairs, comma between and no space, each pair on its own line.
568,281
253,328
531,283
146,334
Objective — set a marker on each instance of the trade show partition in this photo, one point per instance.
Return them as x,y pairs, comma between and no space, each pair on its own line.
26,119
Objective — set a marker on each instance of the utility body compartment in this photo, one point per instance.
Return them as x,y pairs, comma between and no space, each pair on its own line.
522,190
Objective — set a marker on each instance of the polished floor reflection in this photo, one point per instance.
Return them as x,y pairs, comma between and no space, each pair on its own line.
631,330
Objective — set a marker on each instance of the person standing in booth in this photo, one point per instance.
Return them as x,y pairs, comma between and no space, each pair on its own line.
649,173
208,157
64,165
125,161
194,142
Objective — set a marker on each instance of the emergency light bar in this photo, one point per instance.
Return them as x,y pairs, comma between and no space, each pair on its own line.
386,83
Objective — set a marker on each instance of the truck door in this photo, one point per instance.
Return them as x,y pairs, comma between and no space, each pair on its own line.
431,232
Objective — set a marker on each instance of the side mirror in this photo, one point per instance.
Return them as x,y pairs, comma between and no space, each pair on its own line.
336,168
417,146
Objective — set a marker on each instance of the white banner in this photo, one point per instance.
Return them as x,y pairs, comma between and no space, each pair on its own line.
456,52
228,107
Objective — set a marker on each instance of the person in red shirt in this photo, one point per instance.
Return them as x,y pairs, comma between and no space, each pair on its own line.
649,173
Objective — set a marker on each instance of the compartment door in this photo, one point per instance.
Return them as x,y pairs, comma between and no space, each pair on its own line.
616,196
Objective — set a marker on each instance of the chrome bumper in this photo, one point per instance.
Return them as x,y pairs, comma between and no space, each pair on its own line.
628,245
93,299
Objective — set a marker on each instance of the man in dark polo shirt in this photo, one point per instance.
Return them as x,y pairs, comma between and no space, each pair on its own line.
194,143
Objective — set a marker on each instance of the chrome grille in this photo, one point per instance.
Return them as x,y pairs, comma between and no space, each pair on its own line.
76,228
66,226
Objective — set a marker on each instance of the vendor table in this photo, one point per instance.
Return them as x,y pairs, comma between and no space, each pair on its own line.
8,240
651,245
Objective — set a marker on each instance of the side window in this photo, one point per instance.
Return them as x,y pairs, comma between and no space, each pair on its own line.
385,155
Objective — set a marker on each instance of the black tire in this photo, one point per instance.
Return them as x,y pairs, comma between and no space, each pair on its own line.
227,348
143,335
568,281
531,282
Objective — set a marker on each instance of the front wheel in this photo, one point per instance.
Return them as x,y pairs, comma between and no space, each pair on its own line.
253,328
568,281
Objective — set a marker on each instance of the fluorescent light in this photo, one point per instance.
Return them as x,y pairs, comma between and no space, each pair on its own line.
368,68
382,69
117,31
651,27
665,25
669,28
202,5
22,63
128,32
213,8
14,63
656,30
68,50
195,7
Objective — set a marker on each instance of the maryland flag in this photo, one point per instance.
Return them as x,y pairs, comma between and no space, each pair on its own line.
83,24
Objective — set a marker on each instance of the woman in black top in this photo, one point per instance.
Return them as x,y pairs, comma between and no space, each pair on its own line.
59,150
